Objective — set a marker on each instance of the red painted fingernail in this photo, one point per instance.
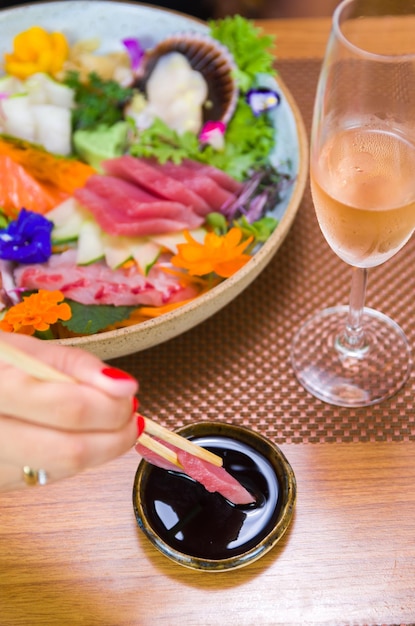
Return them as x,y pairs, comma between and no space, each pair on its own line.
140,425
116,374
135,404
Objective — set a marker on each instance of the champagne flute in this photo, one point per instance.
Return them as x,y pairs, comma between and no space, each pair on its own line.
362,172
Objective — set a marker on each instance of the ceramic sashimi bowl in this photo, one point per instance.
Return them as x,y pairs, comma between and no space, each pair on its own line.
112,22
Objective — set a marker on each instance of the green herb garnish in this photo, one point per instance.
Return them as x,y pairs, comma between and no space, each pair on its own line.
261,230
98,101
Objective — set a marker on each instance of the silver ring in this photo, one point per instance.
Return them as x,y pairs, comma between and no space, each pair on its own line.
34,477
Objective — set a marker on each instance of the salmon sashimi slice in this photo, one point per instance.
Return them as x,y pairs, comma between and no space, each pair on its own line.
144,174
67,174
19,189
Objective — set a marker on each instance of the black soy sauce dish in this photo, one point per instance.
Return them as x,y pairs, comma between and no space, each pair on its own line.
203,530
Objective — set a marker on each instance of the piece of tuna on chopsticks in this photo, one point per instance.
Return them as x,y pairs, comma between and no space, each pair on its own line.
213,478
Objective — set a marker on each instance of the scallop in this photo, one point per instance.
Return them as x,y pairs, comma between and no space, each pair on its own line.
211,59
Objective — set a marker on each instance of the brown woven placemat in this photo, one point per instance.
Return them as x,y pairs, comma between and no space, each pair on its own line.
235,366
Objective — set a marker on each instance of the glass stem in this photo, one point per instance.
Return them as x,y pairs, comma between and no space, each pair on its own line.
353,338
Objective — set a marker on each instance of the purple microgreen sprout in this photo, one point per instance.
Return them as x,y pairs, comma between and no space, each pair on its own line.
259,195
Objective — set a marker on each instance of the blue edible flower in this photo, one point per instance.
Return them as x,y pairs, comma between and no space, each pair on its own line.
27,239
262,99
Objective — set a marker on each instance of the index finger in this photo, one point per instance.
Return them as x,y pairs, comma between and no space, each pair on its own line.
75,363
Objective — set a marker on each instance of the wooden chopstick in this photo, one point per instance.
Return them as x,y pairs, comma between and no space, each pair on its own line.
42,371
31,365
158,448
154,429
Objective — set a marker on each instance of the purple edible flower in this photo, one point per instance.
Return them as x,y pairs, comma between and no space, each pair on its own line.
27,239
262,99
135,52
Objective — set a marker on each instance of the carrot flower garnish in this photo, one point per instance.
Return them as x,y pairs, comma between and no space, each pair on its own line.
36,313
221,255
36,50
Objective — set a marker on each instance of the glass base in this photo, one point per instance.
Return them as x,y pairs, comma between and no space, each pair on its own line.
339,376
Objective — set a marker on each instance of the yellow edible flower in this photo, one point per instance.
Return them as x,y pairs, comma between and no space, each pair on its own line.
36,312
222,255
36,50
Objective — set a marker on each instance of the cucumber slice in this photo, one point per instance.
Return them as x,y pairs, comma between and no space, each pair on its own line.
67,218
117,250
90,243
170,240
145,254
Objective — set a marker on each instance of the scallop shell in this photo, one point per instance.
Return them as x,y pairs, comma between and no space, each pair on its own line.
211,59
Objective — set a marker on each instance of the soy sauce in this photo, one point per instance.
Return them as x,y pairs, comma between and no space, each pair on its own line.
206,525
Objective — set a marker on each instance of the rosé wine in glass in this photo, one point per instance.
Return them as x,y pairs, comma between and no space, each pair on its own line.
362,172
363,188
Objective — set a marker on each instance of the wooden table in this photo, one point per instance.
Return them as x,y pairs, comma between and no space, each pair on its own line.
72,553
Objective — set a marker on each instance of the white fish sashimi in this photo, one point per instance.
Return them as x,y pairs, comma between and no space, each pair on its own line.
99,284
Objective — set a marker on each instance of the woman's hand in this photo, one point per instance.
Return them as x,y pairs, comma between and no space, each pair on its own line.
62,428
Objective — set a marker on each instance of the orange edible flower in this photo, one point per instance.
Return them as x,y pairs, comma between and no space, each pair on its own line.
36,312
36,50
222,255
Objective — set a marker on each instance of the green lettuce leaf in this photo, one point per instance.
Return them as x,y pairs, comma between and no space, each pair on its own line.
248,143
248,46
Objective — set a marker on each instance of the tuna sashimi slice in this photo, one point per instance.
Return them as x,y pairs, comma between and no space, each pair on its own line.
141,172
148,220
222,178
135,203
213,478
199,182
103,184
156,459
